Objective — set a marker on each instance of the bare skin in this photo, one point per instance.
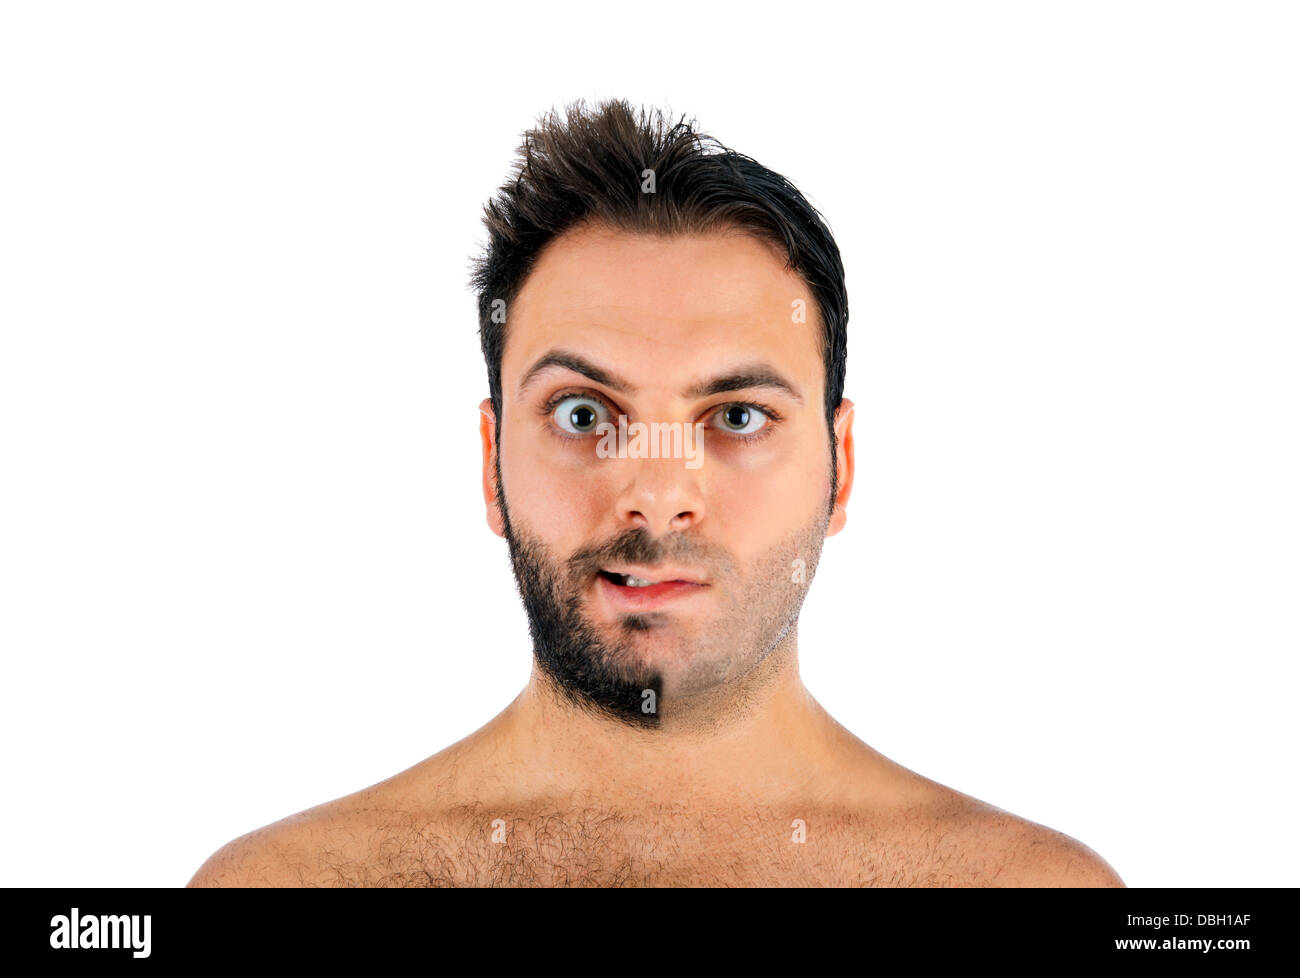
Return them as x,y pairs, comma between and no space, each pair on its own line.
744,779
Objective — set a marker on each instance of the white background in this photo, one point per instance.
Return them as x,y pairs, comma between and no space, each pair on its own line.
244,566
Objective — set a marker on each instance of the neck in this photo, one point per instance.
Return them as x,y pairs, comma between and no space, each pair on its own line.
759,741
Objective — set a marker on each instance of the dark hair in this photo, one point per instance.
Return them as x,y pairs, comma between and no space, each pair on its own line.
590,167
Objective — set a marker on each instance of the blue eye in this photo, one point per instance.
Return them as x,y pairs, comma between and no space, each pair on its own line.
742,419
579,415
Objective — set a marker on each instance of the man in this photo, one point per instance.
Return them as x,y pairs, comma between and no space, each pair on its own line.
665,449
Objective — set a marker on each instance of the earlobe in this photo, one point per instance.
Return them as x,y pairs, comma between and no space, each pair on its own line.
487,434
843,466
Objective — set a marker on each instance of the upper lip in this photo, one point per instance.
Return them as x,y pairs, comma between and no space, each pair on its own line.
659,575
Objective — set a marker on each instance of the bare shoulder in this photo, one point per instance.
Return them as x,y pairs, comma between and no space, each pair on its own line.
1042,857
296,851
332,844
270,856
289,852
1016,852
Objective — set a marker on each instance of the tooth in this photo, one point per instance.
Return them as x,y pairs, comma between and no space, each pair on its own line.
637,582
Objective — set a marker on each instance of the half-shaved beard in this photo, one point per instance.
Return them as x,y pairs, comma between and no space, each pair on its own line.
613,680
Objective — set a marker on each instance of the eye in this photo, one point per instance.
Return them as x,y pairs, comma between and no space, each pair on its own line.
742,419
579,415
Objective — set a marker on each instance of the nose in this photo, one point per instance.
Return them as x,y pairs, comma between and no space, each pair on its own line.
660,494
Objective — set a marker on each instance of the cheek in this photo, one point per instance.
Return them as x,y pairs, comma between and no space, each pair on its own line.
551,486
754,507
776,482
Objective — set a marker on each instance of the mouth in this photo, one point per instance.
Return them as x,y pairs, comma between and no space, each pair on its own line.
644,589
626,580
630,576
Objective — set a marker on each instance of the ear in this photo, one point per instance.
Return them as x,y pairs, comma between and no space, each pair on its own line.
487,427
843,466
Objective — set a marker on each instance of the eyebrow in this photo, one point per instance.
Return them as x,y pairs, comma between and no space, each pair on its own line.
579,365
755,375
751,375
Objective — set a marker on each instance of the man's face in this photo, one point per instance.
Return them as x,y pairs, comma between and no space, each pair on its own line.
702,332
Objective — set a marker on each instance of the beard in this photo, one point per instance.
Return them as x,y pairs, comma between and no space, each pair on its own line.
617,677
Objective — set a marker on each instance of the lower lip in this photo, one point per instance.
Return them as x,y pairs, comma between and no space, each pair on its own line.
646,598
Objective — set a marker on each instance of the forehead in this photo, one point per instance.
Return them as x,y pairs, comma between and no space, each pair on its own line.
664,305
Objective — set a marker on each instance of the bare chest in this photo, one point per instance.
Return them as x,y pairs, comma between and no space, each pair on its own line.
615,851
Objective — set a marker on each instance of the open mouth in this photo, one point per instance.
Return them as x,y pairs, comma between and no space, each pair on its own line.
627,580
627,592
